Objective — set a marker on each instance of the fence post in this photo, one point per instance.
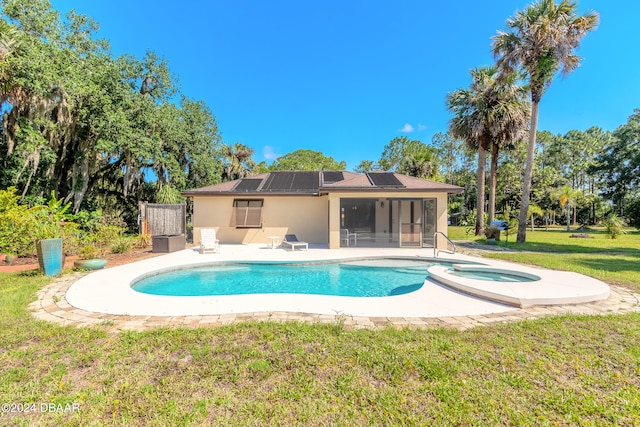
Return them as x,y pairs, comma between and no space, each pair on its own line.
142,217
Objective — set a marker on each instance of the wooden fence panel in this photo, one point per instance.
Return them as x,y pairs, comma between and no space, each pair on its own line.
158,219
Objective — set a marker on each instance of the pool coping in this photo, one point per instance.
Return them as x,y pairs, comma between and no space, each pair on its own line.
110,292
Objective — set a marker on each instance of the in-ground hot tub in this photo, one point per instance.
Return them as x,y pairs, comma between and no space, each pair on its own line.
483,272
520,287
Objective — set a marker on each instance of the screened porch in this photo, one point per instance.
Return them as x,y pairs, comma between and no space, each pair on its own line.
387,222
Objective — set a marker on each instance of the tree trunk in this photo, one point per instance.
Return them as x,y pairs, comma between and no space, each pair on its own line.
482,161
533,218
492,182
546,222
594,219
34,158
528,174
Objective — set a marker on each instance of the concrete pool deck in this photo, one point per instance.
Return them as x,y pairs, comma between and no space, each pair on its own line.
105,297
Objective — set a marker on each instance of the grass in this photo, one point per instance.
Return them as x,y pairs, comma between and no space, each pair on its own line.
614,261
614,269
559,240
569,370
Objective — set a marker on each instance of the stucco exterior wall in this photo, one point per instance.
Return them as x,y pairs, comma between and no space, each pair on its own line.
314,219
304,216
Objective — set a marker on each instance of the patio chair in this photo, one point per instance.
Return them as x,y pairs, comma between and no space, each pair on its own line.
293,241
346,237
208,241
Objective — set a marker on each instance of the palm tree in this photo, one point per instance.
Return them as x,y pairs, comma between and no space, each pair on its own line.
511,113
540,41
237,161
566,197
469,124
533,211
490,113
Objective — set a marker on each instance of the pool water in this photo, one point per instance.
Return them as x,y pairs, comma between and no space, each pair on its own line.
388,277
491,276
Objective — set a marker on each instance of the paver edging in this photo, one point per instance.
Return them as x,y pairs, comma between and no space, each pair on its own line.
51,305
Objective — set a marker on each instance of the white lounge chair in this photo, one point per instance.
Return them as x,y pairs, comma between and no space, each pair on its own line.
292,241
208,241
346,237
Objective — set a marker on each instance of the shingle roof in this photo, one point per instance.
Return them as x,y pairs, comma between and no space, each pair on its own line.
319,182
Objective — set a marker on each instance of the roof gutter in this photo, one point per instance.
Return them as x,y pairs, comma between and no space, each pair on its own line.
390,190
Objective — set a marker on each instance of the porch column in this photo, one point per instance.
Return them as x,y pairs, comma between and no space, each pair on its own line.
334,221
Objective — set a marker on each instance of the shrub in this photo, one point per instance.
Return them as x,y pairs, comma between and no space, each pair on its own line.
106,234
614,226
470,222
87,221
143,241
15,225
48,219
120,247
71,238
15,238
106,230
89,252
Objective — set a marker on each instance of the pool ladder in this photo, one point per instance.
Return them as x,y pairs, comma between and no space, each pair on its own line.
435,244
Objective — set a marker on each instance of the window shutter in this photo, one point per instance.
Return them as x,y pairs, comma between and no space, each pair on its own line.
254,214
248,213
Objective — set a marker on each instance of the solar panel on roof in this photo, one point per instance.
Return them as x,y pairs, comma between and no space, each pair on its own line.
384,179
248,185
331,177
278,181
292,181
305,181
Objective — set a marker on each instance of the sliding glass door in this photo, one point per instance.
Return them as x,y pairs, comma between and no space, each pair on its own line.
410,223
429,222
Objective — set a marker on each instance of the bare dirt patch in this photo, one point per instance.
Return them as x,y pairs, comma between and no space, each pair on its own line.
31,263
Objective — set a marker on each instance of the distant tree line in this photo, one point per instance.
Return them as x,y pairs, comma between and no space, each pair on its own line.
579,178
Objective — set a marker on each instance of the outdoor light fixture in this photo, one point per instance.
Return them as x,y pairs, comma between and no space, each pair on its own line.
382,205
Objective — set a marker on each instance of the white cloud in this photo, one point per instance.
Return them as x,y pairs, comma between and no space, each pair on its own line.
269,153
407,128
421,127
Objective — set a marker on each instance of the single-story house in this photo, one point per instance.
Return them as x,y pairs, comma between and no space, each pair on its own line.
379,209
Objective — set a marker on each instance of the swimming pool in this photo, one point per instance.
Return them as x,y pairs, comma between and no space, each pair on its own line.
355,279
110,290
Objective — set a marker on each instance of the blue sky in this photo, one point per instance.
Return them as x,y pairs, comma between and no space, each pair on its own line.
345,77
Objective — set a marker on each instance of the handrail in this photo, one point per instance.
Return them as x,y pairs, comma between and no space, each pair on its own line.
435,243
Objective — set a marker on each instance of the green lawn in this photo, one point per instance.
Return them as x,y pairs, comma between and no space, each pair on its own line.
615,261
570,370
559,240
